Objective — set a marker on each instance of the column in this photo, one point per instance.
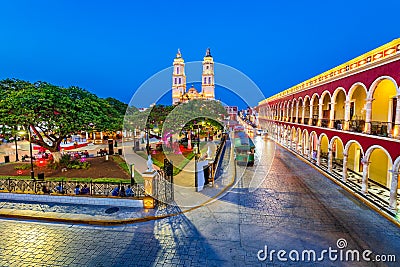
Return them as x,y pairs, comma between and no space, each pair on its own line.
303,112
320,112
87,136
330,160
308,154
368,115
101,135
344,177
297,112
318,154
347,116
396,128
393,190
311,114
149,189
332,115
364,183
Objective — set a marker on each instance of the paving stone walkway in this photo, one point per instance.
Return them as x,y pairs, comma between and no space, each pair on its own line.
294,208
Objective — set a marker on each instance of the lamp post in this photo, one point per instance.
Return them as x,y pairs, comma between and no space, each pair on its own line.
16,146
147,139
30,152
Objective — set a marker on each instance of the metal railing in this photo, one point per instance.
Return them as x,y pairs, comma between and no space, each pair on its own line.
356,125
380,128
68,187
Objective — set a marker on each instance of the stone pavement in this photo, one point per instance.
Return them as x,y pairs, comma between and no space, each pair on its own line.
294,208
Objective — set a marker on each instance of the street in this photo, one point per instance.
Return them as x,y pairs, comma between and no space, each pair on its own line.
295,208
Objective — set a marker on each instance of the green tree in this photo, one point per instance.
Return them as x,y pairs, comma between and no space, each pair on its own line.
53,112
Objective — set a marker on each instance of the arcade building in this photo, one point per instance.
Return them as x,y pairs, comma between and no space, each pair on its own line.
347,122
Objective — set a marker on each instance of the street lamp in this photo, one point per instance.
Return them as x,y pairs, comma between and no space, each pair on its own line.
30,152
16,146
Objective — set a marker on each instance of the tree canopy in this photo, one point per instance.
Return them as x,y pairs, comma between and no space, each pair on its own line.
172,119
53,112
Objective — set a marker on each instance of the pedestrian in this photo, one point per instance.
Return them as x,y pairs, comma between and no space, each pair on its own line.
85,190
122,192
59,189
129,192
45,190
115,191
77,190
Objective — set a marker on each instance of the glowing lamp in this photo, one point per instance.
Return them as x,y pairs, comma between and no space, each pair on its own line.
148,202
19,172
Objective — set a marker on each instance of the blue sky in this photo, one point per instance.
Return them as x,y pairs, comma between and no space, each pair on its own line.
111,47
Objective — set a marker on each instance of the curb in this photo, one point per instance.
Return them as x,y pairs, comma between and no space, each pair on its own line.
358,196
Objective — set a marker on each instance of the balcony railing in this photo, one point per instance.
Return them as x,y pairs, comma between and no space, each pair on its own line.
338,124
356,126
380,128
306,120
324,123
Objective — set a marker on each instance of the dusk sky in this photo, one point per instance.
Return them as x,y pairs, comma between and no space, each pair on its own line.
111,47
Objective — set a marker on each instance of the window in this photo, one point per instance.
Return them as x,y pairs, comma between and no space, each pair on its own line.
175,81
177,70
209,80
207,67
205,80
180,81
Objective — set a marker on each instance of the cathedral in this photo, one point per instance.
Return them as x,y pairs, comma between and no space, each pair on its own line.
179,93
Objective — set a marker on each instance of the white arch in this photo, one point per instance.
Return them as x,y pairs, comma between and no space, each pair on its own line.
353,88
313,98
372,148
320,138
324,93
396,164
333,140
376,82
349,143
336,92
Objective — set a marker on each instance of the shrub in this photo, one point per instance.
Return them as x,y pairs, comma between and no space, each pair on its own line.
23,167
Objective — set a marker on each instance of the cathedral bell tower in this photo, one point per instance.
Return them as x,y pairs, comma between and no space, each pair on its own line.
207,84
178,78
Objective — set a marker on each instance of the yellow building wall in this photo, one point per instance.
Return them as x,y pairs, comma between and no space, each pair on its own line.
324,145
350,157
378,168
382,98
359,97
339,150
340,106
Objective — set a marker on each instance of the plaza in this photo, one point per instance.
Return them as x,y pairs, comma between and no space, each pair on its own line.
287,211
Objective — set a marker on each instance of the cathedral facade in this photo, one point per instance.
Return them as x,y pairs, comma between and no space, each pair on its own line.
179,93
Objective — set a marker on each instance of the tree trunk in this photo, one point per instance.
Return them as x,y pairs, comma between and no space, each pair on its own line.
56,156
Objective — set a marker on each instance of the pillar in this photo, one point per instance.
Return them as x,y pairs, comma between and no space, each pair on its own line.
396,128
308,154
303,112
331,115
311,113
320,113
368,115
364,183
149,189
101,135
344,177
87,136
347,116
393,190
318,154
330,160
297,112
